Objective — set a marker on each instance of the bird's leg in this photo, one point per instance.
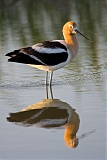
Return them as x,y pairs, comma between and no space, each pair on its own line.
47,92
50,85
51,93
51,74
46,81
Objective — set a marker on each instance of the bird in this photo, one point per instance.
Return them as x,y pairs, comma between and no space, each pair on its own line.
50,55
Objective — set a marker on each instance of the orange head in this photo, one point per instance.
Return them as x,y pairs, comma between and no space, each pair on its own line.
70,28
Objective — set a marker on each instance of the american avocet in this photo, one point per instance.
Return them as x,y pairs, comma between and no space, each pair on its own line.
50,55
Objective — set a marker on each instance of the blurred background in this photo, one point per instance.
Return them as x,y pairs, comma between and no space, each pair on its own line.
81,84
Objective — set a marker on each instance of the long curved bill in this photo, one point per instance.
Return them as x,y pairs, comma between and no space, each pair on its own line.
82,34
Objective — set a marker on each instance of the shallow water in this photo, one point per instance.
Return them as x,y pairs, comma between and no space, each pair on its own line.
73,124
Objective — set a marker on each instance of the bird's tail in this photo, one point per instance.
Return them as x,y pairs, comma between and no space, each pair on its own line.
13,53
20,57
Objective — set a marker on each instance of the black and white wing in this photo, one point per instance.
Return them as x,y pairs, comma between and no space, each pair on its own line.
47,53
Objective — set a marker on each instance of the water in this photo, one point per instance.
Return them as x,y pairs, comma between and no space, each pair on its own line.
73,124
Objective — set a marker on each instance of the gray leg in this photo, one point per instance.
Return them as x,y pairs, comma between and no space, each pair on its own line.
46,81
51,74
47,92
51,93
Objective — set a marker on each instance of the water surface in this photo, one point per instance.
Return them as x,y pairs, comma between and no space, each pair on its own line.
73,124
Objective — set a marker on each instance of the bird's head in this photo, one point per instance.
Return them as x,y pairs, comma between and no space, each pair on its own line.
70,28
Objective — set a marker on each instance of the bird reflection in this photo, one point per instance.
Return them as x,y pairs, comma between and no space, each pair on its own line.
49,113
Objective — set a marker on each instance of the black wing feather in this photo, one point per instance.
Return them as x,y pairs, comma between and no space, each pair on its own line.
52,44
11,54
29,55
51,59
22,58
19,57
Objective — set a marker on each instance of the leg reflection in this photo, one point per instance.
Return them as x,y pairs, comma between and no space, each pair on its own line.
51,93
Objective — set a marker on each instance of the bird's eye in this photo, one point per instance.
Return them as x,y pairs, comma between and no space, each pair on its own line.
71,26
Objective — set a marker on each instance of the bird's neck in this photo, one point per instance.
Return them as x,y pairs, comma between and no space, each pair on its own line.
72,44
